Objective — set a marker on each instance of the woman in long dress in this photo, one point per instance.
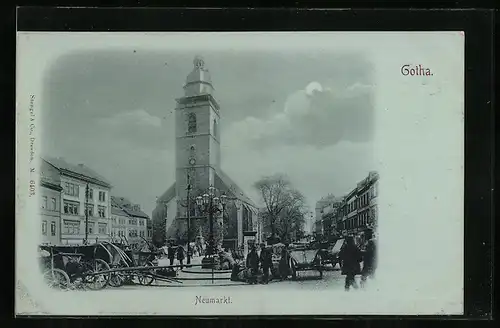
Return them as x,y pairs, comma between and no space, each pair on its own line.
284,264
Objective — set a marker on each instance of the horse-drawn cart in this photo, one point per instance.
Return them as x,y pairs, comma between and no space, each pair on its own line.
303,259
69,267
126,257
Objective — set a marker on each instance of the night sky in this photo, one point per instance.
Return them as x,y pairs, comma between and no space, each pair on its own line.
308,115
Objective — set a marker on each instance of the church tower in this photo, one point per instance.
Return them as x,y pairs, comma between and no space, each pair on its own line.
197,135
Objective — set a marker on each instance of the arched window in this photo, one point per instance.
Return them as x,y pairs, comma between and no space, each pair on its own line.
215,128
191,123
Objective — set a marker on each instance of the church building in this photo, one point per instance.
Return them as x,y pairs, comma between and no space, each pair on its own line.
198,166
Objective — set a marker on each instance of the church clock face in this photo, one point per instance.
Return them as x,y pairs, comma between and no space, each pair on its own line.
192,161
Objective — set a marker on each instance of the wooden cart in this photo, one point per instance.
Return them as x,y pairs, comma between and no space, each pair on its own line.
303,259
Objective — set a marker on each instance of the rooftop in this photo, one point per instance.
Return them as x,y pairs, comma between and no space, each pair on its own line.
79,171
127,206
117,211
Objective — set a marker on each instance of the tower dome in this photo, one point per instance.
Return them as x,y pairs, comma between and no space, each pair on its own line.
198,82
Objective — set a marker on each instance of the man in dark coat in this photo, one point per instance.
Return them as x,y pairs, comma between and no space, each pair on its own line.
369,258
171,254
253,265
180,255
350,256
266,260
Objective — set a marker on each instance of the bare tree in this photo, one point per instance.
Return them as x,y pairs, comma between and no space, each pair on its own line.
284,206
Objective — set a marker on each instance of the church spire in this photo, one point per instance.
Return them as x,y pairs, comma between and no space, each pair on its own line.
198,82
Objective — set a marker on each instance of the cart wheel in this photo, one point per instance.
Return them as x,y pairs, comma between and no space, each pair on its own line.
56,278
144,278
116,280
97,281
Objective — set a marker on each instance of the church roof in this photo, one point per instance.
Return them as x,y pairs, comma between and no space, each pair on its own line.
168,194
224,182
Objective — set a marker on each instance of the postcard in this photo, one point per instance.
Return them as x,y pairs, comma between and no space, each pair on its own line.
200,174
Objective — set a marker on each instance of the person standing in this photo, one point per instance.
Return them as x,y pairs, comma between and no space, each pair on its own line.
369,258
171,254
252,264
180,255
266,261
284,265
350,257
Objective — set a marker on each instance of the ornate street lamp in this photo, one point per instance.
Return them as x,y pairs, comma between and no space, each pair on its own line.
210,203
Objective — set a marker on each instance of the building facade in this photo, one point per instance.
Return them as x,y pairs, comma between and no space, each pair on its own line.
352,214
50,204
129,221
320,210
361,211
119,221
85,203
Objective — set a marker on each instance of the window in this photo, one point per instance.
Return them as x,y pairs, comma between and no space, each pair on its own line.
89,210
71,227
101,211
102,196
44,202
71,208
191,123
52,228
102,228
91,227
71,189
215,128
53,206
91,194
141,223
44,228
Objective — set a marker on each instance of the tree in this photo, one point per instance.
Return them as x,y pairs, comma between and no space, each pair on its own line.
284,209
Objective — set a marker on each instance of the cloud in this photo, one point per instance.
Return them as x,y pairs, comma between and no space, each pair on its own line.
137,118
316,115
